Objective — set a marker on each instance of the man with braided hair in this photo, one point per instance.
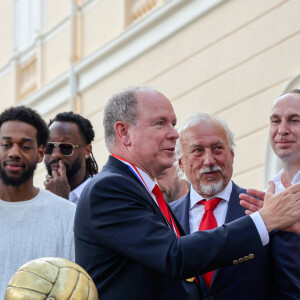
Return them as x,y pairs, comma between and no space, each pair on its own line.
68,155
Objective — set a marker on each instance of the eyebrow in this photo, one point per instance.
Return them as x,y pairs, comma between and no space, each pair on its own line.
294,115
290,116
213,144
220,141
22,139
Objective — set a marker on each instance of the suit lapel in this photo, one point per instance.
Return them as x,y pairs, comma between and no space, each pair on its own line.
181,230
235,210
185,216
113,162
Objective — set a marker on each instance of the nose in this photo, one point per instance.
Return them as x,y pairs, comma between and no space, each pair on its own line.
208,158
56,154
172,133
14,151
283,128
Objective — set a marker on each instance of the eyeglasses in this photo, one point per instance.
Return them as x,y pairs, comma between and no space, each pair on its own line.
66,149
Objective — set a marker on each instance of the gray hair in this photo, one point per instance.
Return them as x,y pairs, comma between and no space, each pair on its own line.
192,120
120,107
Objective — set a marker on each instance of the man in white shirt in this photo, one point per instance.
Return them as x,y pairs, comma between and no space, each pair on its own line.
204,156
285,141
68,155
34,222
125,226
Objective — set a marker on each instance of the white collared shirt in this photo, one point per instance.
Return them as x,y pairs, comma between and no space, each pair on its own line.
75,194
278,184
149,183
197,210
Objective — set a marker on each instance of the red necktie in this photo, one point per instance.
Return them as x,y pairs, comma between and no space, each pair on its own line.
209,222
164,208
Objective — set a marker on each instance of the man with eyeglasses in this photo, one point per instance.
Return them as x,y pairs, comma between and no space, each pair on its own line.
68,155
34,222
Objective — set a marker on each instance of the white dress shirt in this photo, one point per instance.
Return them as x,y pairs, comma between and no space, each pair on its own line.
196,212
75,194
278,184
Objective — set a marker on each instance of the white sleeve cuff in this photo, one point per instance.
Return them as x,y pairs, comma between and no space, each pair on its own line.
261,228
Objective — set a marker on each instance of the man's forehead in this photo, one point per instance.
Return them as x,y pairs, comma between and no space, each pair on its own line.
204,130
154,102
18,132
63,128
287,104
17,128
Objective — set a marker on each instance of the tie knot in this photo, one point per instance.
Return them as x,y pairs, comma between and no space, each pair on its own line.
210,204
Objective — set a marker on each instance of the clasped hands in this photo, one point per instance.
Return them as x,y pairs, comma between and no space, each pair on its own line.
278,211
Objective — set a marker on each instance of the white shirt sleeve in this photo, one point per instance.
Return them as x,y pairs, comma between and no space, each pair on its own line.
261,228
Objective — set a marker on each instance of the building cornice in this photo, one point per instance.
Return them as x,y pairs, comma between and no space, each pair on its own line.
134,41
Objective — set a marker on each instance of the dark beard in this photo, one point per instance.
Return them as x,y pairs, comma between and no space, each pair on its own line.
70,170
16,181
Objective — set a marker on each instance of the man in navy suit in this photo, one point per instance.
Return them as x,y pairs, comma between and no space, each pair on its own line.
204,156
127,238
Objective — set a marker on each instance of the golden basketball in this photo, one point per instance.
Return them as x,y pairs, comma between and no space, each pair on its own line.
51,278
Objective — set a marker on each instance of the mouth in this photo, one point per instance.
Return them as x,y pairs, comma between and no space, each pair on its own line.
171,150
14,166
284,143
54,166
211,174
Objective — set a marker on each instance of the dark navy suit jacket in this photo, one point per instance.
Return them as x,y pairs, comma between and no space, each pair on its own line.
123,241
269,276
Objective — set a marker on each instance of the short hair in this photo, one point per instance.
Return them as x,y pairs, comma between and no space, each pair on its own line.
192,120
121,107
294,91
29,116
86,131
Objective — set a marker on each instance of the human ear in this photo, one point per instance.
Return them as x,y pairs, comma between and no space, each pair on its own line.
122,133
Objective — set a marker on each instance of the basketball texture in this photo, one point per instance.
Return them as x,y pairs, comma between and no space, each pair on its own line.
51,278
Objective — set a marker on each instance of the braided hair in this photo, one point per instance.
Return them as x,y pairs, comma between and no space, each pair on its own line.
86,131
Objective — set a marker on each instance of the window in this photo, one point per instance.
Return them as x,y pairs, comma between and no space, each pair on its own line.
28,22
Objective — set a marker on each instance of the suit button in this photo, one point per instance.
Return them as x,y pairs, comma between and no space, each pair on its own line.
251,256
235,262
241,260
246,258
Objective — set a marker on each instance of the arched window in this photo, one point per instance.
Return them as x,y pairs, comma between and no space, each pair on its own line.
28,22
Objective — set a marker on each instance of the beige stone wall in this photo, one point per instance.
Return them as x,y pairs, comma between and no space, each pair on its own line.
232,61
57,56
100,24
55,12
